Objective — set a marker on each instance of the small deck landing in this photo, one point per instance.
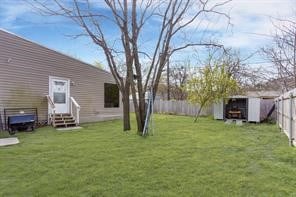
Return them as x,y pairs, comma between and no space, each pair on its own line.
68,128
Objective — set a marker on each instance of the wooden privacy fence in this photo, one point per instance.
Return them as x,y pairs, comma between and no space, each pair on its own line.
286,114
177,107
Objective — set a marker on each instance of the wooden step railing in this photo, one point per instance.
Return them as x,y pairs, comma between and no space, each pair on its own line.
51,112
74,103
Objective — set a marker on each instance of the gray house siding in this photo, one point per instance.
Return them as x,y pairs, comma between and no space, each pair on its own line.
25,68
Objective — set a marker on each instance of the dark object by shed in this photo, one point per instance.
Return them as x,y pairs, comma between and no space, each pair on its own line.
236,108
269,114
21,123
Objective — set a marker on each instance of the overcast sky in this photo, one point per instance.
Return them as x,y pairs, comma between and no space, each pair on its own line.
250,19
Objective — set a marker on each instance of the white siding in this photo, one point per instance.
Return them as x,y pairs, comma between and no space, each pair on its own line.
24,79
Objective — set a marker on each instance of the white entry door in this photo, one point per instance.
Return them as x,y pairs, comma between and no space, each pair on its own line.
59,90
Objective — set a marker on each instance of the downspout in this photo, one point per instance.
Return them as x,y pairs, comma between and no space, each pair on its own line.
294,59
291,120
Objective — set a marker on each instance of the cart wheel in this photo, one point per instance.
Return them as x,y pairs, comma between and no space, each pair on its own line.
11,132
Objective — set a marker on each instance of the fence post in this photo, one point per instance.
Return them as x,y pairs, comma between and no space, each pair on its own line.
282,113
277,110
291,119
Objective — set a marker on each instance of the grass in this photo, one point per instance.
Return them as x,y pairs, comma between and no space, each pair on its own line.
207,158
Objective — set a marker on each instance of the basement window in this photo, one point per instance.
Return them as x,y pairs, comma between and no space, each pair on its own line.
111,95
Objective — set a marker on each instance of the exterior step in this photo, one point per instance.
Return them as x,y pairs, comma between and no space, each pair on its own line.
68,117
61,115
65,124
63,120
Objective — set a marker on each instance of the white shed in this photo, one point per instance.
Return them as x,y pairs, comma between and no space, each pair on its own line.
238,108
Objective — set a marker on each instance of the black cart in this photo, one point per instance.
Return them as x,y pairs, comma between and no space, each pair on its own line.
23,122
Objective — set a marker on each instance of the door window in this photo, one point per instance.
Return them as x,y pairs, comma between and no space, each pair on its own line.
59,92
59,97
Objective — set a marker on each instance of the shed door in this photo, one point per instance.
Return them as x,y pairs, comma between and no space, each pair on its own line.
219,110
59,92
254,109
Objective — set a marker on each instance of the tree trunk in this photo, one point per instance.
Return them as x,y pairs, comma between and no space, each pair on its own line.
141,115
198,113
143,110
140,110
137,112
126,112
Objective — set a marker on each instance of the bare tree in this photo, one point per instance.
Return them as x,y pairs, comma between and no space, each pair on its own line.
129,18
282,52
238,67
178,77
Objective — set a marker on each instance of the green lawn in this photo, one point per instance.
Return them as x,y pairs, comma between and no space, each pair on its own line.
183,158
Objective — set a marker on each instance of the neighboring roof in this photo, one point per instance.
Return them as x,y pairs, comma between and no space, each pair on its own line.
277,84
28,40
263,94
238,96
